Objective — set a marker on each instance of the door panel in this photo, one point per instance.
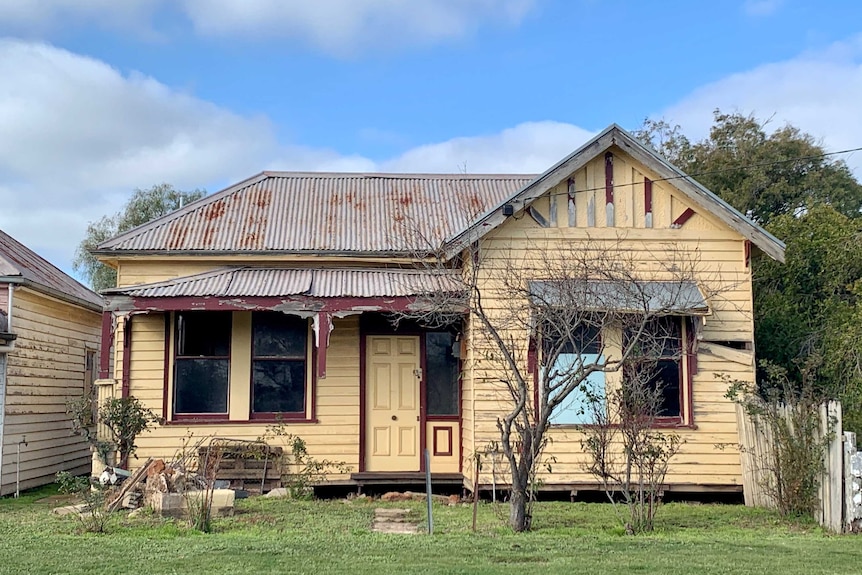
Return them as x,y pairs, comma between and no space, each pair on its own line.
392,417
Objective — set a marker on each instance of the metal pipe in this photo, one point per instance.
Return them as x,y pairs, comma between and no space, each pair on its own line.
18,467
428,491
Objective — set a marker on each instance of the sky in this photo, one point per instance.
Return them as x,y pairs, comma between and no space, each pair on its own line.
99,97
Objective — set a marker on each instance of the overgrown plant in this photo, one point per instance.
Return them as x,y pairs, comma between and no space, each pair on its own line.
299,470
94,517
789,413
626,452
125,418
200,502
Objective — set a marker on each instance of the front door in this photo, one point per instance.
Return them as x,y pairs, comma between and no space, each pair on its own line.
392,403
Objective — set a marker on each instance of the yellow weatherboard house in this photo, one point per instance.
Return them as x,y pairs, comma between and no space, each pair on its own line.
273,301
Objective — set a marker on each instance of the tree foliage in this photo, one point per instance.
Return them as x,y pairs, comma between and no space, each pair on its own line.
763,175
145,205
808,310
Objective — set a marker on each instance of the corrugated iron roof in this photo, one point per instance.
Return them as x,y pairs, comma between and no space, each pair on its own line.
325,212
681,297
280,282
19,261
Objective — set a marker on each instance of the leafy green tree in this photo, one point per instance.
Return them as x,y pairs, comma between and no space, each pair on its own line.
761,174
808,311
142,207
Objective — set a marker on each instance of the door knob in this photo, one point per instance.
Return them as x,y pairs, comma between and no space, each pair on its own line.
394,418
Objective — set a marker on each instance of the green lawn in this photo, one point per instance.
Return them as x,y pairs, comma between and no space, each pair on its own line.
279,536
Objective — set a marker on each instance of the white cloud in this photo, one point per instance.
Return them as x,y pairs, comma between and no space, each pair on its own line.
761,7
76,136
338,27
43,16
531,147
817,92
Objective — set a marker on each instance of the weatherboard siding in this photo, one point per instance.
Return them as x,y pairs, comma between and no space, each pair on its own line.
45,369
709,456
335,436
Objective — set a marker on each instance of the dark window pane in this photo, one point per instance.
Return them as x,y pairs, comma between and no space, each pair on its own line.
203,334
201,385
667,380
279,335
442,378
278,386
582,339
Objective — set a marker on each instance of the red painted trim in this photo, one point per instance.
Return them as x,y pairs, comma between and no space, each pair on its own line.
609,178
691,356
310,388
127,356
283,304
107,345
423,407
223,420
683,218
324,325
167,366
437,451
647,196
747,252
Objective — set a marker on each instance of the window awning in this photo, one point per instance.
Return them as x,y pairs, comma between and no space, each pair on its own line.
650,297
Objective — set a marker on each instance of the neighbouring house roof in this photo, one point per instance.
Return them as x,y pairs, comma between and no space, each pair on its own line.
281,282
19,264
654,297
284,212
388,214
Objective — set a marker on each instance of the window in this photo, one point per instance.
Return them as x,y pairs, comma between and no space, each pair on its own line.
279,350
202,362
89,381
582,347
657,360
441,381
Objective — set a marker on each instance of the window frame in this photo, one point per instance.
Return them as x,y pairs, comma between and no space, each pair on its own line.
687,370
175,355
309,379
458,380
683,360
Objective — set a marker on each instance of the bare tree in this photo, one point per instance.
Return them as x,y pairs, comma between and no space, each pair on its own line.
544,316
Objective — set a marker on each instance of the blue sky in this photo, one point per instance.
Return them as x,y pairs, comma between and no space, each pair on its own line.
100,97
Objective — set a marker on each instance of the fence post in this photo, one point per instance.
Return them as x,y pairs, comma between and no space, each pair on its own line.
849,504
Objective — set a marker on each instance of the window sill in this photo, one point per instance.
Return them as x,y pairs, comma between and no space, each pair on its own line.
442,418
225,421
656,425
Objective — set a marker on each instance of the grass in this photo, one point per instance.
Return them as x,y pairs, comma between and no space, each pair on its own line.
281,536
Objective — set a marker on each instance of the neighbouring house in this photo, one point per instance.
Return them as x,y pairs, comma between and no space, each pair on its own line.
271,301
49,344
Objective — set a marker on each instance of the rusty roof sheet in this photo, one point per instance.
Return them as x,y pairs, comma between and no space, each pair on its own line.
281,282
18,262
325,213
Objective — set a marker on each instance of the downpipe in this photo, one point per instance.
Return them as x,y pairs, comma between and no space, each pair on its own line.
18,467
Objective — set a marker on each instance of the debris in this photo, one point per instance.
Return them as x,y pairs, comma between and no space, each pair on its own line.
128,485
69,509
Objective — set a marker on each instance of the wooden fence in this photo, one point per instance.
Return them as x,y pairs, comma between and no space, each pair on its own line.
836,492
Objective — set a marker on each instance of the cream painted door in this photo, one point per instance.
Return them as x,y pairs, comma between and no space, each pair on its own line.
392,403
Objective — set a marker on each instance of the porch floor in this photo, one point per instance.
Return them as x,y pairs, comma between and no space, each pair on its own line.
405,478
